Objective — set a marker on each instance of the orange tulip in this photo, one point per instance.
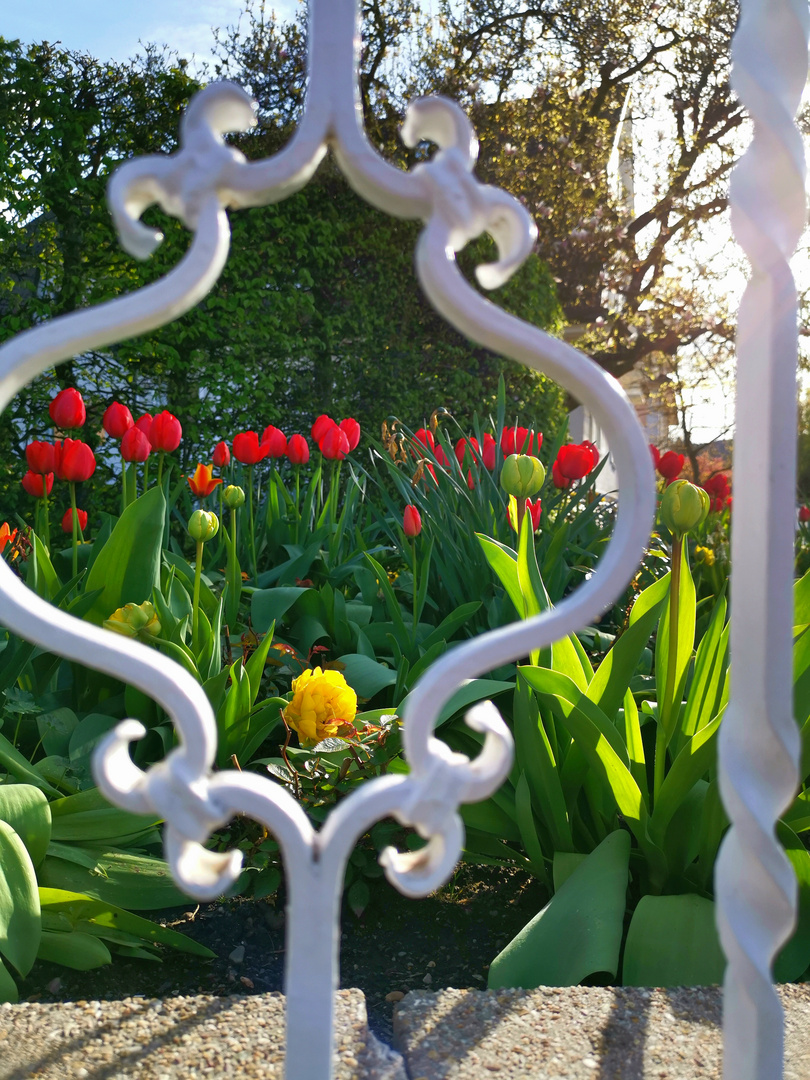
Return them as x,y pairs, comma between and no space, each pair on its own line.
202,483
6,535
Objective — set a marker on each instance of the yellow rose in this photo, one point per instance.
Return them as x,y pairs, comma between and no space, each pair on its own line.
322,701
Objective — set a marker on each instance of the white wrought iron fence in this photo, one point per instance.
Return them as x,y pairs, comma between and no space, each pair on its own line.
759,745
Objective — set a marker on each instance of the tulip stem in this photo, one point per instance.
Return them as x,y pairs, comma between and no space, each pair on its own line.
666,707
123,485
521,513
146,475
161,455
251,527
195,604
297,505
75,518
415,590
46,516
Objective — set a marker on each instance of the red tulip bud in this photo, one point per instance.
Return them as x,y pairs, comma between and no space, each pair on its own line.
298,450
426,438
37,485
488,455
670,465
67,520
165,433
39,456
411,521
574,461
247,449
804,514
135,446
321,426
74,461
334,445
351,429
275,440
67,409
145,423
117,420
222,455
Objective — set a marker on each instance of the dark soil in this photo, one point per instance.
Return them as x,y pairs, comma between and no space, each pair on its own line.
445,940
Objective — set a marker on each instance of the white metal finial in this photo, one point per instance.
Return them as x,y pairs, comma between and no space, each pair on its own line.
197,184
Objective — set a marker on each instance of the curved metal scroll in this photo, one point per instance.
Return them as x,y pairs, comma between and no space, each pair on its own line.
196,184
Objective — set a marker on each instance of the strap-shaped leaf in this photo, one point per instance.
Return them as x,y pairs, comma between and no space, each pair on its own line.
693,762
20,924
710,667
532,748
609,685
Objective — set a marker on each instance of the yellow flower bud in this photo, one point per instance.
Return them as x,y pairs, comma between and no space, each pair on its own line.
684,507
233,497
203,525
322,701
135,621
704,555
522,475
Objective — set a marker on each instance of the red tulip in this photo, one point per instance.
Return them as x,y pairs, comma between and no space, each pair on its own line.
426,438
298,450
656,455
134,445
670,465
575,461
117,420
67,520
335,444
441,457
804,514
202,483
518,440
717,486
165,433
488,456
37,484
247,449
461,449
321,426
351,430
73,460
145,423
67,409
470,480
593,449
411,521
222,455
39,456
275,440
560,481
533,509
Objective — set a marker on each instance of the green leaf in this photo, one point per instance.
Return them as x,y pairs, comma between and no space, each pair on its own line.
55,729
488,817
128,567
794,959
8,988
579,932
528,827
256,662
450,623
118,877
534,754
366,677
670,686
19,902
20,768
268,606
468,694
673,941
693,762
82,952
609,685
48,583
25,808
358,897
78,908
503,561
710,666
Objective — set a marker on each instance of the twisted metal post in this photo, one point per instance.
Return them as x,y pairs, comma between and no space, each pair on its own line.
759,740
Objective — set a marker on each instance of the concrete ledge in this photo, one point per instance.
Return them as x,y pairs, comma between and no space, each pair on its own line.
580,1033
577,1033
176,1039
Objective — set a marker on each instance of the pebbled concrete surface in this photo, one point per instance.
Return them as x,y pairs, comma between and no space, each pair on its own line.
577,1033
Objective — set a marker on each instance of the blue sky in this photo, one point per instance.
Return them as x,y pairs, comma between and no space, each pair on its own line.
111,30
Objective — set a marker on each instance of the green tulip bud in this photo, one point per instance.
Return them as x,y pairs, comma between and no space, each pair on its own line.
203,525
522,475
233,497
135,621
684,507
